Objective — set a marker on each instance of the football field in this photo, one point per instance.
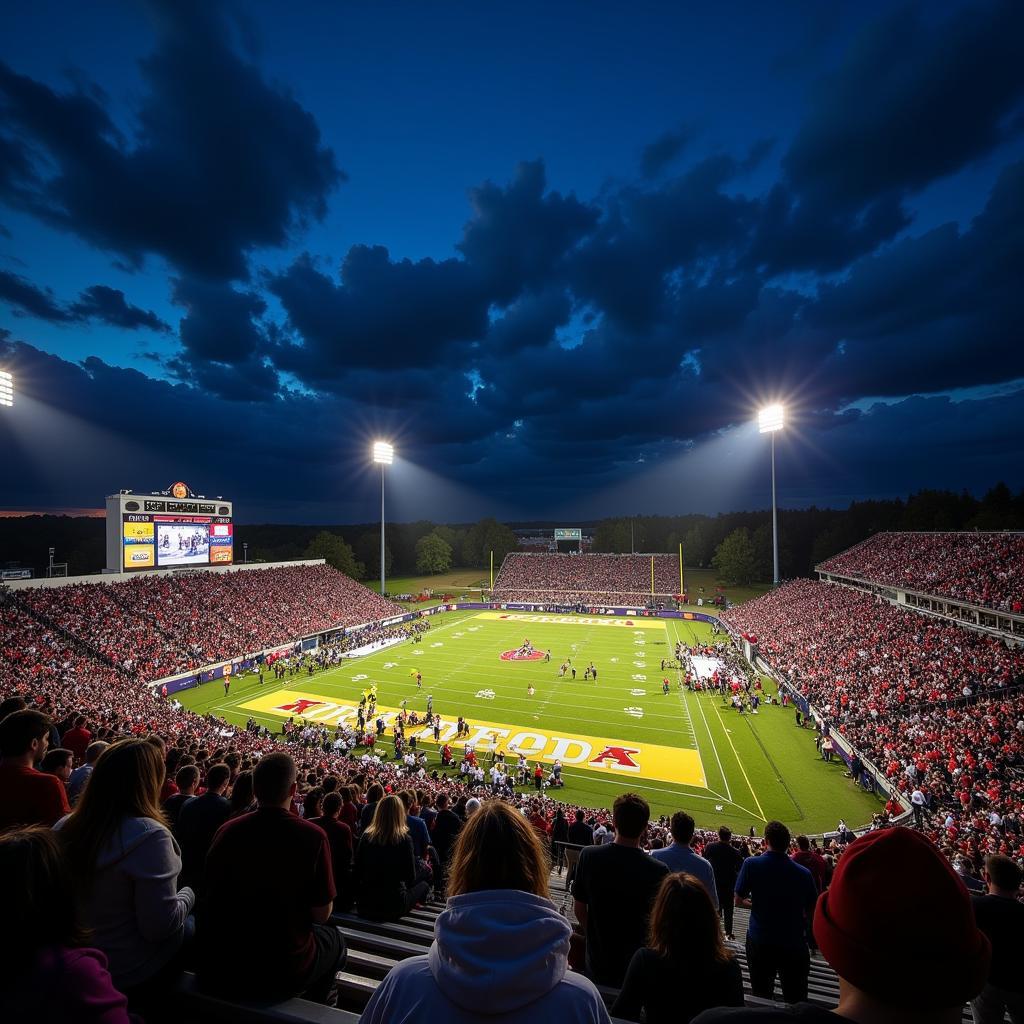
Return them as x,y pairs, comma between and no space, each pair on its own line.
682,750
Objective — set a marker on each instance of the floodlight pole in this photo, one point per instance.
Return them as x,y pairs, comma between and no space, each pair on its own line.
775,522
382,529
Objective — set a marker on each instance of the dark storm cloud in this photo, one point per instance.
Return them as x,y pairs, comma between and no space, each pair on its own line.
220,163
933,312
382,313
222,342
97,304
913,101
648,232
26,298
568,341
109,306
657,155
519,236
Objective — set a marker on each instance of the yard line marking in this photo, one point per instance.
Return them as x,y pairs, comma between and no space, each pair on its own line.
728,736
711,738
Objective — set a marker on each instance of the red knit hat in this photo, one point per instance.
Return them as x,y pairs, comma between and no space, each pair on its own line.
897,911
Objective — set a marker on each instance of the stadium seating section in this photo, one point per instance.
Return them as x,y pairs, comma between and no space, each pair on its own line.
929,702
979,568
586,579
157,625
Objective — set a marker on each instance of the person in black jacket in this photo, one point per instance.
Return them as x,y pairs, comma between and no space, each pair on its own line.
580,833
198,822
726,862
447,826
559,837
339,835
385,874
685,967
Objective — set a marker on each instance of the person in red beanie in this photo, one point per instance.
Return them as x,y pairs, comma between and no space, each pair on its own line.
898,927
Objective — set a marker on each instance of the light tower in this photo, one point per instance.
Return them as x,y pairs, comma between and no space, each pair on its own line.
770,420
383,453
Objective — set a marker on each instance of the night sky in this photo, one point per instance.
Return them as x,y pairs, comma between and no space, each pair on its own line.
558,253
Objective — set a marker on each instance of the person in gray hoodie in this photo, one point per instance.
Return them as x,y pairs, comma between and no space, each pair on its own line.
125,863
500,950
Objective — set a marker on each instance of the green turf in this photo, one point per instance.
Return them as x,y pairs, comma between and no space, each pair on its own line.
756,767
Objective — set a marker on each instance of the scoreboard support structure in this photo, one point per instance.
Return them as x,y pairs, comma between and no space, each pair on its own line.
172,529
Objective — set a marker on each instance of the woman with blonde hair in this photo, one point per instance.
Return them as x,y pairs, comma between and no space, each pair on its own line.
125,864
387,886
500,950
686,967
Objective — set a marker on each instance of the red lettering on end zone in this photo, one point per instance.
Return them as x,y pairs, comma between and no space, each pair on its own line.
618,757
298,707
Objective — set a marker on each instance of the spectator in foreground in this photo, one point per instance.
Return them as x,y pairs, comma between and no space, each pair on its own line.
27,797
894,900
1001,917
198,822
243,798
385,869
339,835
679,856
48,974
613,890
447,826
500,950
781,897
269,891
186,779
685,967
125,864
725,861
80,776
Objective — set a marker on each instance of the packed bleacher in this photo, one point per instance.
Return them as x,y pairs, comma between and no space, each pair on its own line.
585,579
938,708
979,568
156,625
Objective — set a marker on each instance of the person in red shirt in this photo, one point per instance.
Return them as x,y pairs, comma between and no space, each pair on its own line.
77,739
28,797
264,929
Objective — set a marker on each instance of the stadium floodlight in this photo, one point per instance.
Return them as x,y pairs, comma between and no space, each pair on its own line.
6,389
383,453
770,420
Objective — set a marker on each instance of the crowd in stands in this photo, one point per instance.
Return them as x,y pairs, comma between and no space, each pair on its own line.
157,625
979,568
106,911
128,827
939,709
586,579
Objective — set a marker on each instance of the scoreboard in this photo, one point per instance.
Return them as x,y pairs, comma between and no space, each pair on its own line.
168,530
568,540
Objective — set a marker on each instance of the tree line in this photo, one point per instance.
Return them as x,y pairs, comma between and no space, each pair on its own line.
806,537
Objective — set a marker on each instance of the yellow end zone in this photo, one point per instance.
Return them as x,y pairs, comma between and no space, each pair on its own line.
632,759
620,621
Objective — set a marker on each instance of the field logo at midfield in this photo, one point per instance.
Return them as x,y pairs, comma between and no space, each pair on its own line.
517,655
637,759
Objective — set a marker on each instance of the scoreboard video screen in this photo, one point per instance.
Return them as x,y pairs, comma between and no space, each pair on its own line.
157,532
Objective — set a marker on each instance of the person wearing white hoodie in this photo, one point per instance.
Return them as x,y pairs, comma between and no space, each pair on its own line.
500,950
